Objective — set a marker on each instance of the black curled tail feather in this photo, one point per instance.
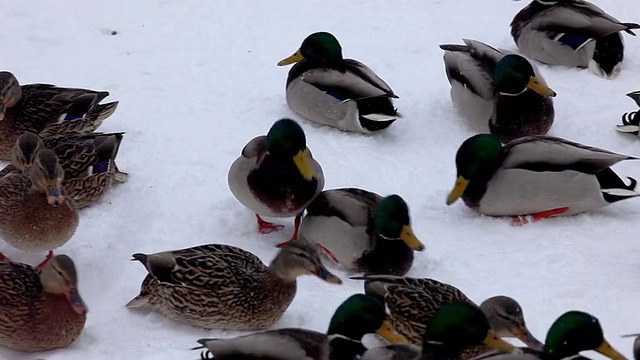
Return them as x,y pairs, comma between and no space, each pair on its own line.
206,355
633,184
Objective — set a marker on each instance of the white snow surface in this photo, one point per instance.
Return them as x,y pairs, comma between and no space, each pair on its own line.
196,80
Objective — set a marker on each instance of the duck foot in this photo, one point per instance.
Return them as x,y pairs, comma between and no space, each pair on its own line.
295,231
525,219
46,260
328,253
265,227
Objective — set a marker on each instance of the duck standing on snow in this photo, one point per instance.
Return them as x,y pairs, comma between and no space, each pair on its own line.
456,325
40,309
357,316
572,33
631,120
411,302
571,333
276,175
325,88
362,230
47,110
541,176
503,90
36,214
88,162
224,287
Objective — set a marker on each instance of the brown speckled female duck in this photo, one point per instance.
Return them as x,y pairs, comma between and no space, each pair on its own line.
88,161
47,110
40,309
224,287
35,213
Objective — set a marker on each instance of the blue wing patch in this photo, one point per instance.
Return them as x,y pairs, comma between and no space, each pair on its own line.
574,41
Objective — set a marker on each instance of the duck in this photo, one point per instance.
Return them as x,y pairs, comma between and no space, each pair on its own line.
357,316
362,231
411,302
276,175
536,177
631,120
88,162
221,286
636,345
456,325
47,110
498,92
573,33
41,308
327,89
572,332
35,212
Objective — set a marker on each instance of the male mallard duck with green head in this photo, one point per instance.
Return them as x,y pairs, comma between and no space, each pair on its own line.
88,161
455,326
572,33
537,176
328,89
35,212
276,175
357,316
362,230
40,309
502,90
224,287
573,332
411,302
47,110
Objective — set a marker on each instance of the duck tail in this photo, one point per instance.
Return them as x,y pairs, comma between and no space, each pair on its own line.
613,187
635,96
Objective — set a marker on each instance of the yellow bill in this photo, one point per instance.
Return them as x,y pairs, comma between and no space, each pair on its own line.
410,239
389,333
304,163
297,56
495,342
537,86
458,190
607,350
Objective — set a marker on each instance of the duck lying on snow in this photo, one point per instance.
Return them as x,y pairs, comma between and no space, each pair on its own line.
540,176
631,120
325,88
571,33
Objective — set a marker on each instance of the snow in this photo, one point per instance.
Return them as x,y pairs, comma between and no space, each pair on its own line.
197,80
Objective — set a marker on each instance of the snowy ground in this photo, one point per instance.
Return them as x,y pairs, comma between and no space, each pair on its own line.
196,80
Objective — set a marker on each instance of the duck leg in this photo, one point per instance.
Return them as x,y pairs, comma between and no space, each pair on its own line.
296,226
265,227
46,260
328,253
525,219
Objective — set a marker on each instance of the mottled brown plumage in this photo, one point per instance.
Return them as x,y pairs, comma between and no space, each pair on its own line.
47,110
222,286
411,302
40,309
35,213
88,161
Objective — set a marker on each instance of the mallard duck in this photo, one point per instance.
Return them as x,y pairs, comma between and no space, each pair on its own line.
40,309
357,316
88,161
636,345
572,33
47,110
456,325
572,332
411,302
325,88
224,287
631,120
503,90
362,230
276,175
537,176
35,212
